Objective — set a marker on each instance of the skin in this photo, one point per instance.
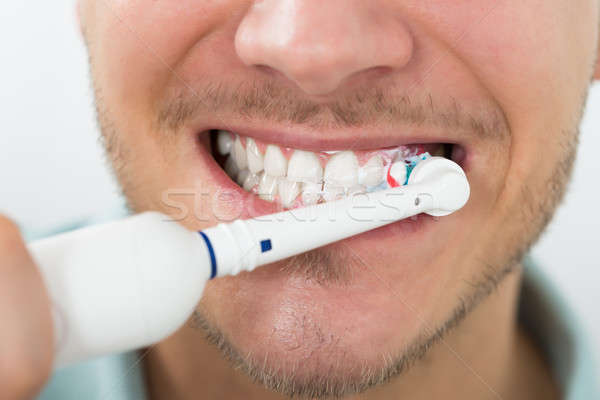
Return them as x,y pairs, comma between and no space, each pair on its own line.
350,318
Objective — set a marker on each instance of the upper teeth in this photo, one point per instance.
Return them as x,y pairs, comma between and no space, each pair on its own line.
370,174
271,175
224,142
342,170
254,157
275,162
239,154
304,166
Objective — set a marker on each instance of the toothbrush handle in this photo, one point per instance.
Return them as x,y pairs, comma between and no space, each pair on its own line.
246,244
121,285
131,283
437,186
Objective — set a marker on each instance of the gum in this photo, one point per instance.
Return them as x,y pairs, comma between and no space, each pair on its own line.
388,154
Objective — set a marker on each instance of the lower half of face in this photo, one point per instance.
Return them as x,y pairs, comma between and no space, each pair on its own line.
355,308
226,150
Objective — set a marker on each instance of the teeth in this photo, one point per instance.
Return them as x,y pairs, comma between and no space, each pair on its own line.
302,179
250,181
267,187
241,176
239,154
304,166
311,193
224,142
231,167
371,174
342,169
332,192
288,191
253,156
275,162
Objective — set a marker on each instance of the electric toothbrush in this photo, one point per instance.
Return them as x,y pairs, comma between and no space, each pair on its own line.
131,283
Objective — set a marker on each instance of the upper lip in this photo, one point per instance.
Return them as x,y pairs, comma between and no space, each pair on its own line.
337,138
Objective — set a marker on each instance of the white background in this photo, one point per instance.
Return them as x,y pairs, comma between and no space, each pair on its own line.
52,169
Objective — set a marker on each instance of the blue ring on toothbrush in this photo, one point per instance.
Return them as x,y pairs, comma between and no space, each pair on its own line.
211,252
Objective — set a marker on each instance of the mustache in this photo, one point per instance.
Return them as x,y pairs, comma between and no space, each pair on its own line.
363,107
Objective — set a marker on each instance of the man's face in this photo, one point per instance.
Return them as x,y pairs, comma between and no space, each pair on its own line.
503,82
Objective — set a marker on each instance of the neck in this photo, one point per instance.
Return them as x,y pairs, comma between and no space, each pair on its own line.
486,356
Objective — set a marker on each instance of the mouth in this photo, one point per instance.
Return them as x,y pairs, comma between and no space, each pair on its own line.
293,177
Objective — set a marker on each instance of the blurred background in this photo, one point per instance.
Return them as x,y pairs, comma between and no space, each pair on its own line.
52,168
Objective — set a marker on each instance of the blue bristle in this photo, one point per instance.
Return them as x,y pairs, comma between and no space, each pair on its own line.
412,163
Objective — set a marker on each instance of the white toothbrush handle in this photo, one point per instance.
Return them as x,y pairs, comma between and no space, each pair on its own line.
121,285
131,283
437,186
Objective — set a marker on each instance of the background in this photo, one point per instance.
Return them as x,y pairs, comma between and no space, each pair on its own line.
52,168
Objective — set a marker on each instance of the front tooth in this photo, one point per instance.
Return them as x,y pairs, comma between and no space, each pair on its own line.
239,154
231,168
267,187
304,166
371,174
311,193
253,156
342,169
250,181
275,162
332,192
224,142
241,176
288,191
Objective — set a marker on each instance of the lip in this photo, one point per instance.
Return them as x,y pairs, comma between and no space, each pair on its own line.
331,138
251,205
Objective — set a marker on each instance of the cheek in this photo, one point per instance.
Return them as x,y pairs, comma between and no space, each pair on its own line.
523,52
135,46
536,73
536,59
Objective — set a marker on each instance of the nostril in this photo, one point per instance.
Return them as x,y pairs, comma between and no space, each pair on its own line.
266,69
318,53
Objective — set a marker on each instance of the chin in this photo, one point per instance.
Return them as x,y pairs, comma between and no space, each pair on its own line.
332,314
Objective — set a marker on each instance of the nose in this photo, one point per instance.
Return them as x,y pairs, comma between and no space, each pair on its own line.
320,45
